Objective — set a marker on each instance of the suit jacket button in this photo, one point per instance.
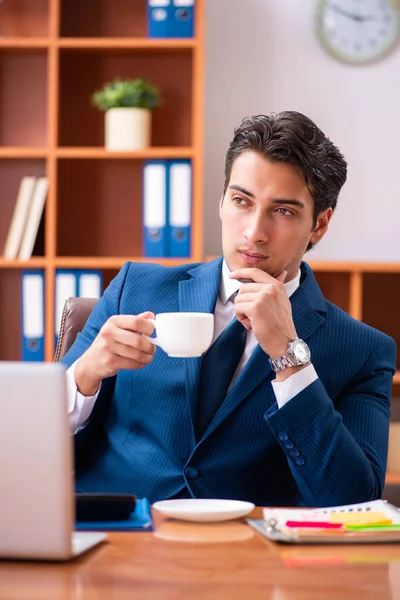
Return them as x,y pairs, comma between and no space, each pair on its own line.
283,436
288,444
299,460
191,472
293,452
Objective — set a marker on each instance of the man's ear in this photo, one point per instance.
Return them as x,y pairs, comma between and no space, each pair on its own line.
321,226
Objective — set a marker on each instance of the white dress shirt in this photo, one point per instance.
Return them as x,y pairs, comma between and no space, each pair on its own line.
80,407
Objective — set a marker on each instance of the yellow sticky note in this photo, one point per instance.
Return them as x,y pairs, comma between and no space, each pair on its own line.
363,517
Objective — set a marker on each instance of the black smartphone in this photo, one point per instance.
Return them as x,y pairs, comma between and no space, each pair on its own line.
104,507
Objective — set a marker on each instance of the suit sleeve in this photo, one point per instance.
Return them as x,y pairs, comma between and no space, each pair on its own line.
106,307
337,453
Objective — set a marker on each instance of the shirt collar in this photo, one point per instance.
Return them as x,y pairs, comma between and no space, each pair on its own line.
229,286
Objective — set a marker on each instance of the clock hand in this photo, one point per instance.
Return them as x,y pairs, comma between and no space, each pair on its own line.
345,13
367,18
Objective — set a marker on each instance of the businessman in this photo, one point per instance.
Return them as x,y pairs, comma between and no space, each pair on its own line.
291,403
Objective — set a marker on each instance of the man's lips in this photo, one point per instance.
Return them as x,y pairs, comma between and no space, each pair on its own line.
253,254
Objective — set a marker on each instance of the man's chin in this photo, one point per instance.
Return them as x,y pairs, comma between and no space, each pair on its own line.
241,261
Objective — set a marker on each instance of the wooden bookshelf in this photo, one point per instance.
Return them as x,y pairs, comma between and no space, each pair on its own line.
127,43
23,43
62,51
392,478
22,152
149,153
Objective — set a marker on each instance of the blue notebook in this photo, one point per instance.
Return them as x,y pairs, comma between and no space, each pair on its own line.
140,520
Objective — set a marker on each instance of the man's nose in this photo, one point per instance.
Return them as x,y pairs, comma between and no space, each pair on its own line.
256,231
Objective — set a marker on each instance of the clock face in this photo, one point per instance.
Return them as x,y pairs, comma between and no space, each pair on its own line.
358,31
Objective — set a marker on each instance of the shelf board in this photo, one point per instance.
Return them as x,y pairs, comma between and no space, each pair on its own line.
88,262
148,153
24,43
123,43
98,262
22,152
396,378
392,478
37,262
351,267
343,266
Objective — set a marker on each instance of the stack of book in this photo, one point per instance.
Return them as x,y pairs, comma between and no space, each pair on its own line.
26,218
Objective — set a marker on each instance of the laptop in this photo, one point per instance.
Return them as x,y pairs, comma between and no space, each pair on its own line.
37,501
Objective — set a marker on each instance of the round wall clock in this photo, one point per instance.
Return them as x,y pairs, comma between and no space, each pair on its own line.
358,31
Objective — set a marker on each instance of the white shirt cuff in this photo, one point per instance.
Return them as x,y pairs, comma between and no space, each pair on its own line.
79,406
293,385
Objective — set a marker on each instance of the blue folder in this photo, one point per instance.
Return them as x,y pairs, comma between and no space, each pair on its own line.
140,520
32,315
159,18
182,18
155,208
179,207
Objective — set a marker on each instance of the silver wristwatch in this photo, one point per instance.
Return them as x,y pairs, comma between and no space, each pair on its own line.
298,353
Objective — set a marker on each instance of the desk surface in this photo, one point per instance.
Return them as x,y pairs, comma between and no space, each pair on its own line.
195,561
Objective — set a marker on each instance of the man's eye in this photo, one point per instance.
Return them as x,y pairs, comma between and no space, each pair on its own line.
239,201
285,211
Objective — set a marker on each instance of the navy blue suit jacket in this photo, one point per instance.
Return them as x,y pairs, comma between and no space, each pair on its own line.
326,446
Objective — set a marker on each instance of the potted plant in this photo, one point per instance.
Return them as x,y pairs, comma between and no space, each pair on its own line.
127,104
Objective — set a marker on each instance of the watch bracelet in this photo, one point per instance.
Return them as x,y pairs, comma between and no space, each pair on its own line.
283,362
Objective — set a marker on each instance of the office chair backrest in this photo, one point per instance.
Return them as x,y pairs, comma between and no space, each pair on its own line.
75,314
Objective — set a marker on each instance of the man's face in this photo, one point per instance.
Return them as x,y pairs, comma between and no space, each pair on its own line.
267,216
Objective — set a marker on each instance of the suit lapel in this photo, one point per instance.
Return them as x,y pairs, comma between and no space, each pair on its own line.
198,294
308,309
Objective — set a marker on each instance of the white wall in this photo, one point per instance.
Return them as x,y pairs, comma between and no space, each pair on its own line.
263,56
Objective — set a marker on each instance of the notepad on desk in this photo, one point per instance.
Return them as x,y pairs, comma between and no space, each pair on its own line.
367,522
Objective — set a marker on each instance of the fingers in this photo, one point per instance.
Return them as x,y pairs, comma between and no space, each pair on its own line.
250,287
134,340
282,276
253,274
247,297
251,292
132,354
135,323
124,363
241,316
257,275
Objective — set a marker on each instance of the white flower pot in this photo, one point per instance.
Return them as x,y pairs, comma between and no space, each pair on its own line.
127,128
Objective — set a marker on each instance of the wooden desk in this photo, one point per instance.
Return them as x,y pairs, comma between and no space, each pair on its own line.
206,561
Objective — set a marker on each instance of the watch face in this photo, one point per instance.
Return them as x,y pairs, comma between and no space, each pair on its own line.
358,31
301,351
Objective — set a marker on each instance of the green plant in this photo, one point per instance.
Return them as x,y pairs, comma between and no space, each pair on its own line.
128,93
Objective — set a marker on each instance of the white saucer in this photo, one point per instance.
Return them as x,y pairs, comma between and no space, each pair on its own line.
204,510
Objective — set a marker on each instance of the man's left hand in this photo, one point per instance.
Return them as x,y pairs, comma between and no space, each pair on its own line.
264,307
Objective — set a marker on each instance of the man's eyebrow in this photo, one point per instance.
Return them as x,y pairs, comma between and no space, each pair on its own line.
287,201
238,188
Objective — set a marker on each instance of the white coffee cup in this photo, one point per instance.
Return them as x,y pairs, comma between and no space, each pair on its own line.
183,334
